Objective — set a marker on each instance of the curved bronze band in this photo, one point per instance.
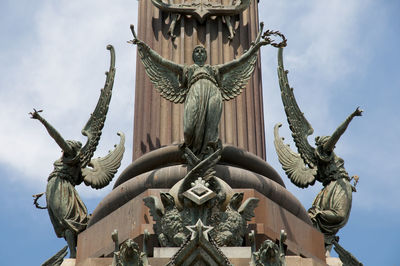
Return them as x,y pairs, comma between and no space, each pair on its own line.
172,155
166,177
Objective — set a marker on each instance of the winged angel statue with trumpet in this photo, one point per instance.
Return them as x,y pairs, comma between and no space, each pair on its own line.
67,211
331,208
201,87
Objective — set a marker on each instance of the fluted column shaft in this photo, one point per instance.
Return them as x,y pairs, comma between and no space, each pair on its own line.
158,122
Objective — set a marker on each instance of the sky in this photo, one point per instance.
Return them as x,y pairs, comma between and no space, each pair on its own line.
341,54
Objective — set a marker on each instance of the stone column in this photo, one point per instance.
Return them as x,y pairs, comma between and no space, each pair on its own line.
158,122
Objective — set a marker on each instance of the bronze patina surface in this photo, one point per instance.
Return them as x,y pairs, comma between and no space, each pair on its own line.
201,87
67,212
330,210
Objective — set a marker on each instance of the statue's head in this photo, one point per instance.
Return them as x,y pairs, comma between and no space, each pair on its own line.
129,252
75,145
268,253
321,140
199,55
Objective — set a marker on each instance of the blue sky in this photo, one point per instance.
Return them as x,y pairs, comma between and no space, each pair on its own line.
341,54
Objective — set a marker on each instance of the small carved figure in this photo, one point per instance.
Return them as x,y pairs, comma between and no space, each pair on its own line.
128,253
230,225
331,208
201,87
67,211
228,18
174,18
201,10
269,254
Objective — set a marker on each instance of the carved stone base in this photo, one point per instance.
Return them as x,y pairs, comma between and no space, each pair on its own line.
68,262
132,218
230,252
299,261
243,261
332,261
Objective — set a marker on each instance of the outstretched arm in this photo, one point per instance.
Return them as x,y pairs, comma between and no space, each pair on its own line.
330,144
145,50
253,49
261,40
232,64
53,133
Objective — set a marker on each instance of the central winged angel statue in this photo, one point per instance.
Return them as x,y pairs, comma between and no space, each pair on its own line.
331,208
201,87
67,211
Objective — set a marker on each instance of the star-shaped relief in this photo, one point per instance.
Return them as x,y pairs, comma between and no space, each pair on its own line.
198,229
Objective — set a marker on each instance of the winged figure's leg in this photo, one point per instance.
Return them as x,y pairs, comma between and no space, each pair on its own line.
214,111
193,119
70,237
203,108
174,18
229,25
67,212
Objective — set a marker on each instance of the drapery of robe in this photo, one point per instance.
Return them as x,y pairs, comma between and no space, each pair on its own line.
202,111
333,203
65,207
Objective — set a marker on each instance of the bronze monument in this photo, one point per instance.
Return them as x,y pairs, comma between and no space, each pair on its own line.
199,191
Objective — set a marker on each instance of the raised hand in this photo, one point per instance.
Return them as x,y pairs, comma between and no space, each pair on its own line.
135,39
35,114
358,112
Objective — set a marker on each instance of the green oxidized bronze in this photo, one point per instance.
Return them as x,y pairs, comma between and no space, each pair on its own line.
169,221
199,249
201,87
200,195
67,211
345,256
331,208
269,254
57,259
128,253
201,10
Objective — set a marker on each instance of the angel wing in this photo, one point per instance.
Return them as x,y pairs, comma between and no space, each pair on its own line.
345,256
102,170
298,124
235,74
165,75
246,210
95,124
57,259
292,163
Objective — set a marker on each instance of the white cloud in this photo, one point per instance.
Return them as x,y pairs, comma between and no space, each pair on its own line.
329,43
61,64
62,71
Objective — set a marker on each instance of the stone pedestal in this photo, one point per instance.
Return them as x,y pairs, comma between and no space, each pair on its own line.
240,258
123,209
133,218
68,262
332,261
